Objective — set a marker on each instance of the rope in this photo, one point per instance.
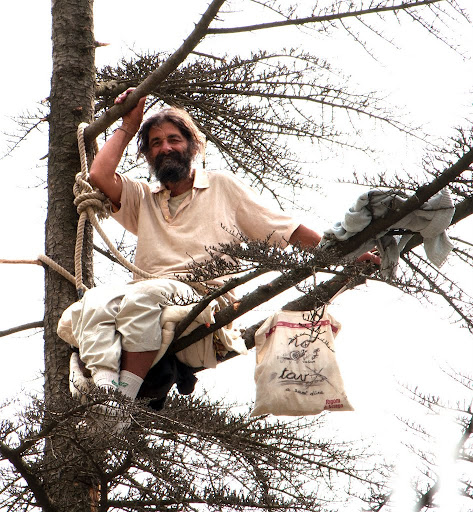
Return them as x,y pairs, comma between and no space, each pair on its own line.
21,262
55,266
93,205
41,261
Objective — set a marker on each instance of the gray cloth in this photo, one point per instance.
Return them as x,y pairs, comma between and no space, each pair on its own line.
430,221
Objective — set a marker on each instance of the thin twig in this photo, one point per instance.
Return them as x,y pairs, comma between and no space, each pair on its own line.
157,76
319,19
32,325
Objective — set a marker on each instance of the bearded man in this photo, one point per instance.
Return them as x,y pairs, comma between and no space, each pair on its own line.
118,327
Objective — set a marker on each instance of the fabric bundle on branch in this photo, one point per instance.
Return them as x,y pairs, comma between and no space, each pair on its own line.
430,220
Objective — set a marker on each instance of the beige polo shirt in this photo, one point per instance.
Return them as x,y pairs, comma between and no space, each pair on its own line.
168,244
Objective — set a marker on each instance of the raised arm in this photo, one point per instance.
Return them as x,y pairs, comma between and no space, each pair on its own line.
102,172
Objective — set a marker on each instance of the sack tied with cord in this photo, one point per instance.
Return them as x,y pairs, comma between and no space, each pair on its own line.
296,370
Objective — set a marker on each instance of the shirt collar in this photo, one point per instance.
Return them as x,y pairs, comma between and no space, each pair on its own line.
201,180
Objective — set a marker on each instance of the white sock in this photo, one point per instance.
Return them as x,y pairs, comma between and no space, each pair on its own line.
129,384
106,379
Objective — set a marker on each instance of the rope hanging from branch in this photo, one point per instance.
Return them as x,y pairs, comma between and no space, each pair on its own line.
92,205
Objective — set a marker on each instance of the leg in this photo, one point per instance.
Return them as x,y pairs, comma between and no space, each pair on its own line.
94,328
99,343
138,322
138,363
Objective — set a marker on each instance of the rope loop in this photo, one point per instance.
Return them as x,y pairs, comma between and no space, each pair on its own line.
85,195
91,205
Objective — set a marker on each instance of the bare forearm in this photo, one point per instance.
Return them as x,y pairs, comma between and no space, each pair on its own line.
106,162
305,237
103,170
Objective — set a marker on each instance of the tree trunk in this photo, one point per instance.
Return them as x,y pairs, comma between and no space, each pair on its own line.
72,102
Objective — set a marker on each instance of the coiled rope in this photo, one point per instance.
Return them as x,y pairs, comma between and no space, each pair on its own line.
93,205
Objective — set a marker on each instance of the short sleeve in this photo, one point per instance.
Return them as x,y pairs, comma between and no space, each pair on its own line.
130,200
259,222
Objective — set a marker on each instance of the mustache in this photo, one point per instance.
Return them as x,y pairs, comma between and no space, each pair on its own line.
173,156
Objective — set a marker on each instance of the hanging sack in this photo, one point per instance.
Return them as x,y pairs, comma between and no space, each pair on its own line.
296,370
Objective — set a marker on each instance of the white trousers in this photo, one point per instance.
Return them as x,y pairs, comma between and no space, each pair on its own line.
113,318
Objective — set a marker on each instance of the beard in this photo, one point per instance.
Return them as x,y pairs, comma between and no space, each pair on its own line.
172,167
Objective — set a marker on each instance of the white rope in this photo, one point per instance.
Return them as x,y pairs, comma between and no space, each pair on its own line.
55,266
93,205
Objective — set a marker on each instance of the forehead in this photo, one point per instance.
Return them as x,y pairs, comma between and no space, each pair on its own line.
164,131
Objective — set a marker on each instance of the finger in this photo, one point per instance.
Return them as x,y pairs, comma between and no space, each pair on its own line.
373,258
376,259
369,256
141,102
123,96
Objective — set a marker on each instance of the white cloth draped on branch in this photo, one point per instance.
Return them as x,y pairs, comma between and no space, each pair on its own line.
430,221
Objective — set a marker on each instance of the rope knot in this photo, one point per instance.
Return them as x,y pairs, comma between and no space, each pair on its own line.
88,197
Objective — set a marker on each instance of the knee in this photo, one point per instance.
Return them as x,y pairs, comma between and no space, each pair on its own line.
103,298
145,294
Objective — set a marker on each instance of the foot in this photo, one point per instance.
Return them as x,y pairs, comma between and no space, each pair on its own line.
111,416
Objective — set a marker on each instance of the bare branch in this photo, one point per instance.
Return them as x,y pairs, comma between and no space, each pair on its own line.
34,482
158,76
205,301
403,6
323,258
421,195
20,328
427,498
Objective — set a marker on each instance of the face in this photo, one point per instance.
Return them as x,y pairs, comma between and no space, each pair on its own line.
169,153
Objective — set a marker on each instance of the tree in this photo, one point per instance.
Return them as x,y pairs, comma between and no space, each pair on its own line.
215,91
427,490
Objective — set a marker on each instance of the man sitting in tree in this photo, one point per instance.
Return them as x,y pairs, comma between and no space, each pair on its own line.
117,327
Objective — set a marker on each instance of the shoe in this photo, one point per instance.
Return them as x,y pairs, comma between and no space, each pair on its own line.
80,385
111,417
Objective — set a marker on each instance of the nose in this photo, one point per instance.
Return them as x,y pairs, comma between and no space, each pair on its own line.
166,147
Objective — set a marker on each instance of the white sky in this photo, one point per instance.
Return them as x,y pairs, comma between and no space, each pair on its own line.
385,337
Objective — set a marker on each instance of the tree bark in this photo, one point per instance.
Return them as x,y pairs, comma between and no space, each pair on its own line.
72,102
72,97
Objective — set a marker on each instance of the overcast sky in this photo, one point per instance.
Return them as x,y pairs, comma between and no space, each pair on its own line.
385,338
